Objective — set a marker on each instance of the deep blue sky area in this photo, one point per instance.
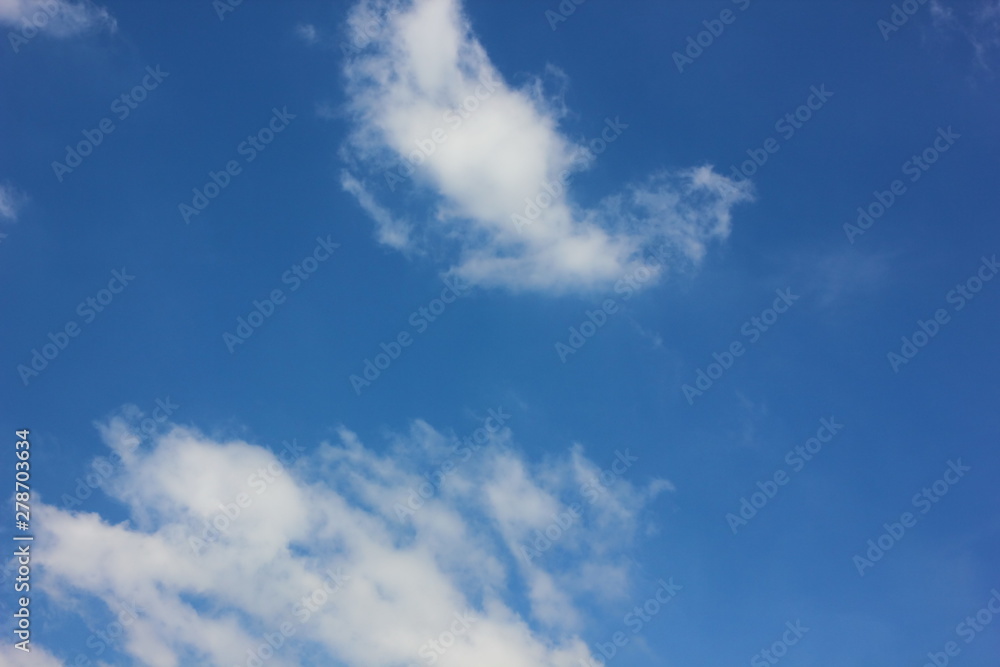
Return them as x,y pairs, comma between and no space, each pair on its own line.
856,295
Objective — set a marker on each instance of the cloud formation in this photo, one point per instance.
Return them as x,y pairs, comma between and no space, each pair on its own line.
977,22
414,556
59,18
38,657
11,200
423,93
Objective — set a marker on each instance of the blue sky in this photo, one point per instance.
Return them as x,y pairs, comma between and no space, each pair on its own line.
420,282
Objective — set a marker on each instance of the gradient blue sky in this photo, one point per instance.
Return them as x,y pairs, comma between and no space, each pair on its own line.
495,347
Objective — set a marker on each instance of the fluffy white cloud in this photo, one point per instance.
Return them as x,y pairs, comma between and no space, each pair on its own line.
423,93
60,18
368,559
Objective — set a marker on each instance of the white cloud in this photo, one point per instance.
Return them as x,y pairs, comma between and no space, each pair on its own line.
335,514
11,200
421,74
307,33
979,24
390,231
60,18
38,657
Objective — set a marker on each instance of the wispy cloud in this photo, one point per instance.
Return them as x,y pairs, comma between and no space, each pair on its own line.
307,33
389,230
59,18
423,90
38,657
11,200
287,526
978,23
